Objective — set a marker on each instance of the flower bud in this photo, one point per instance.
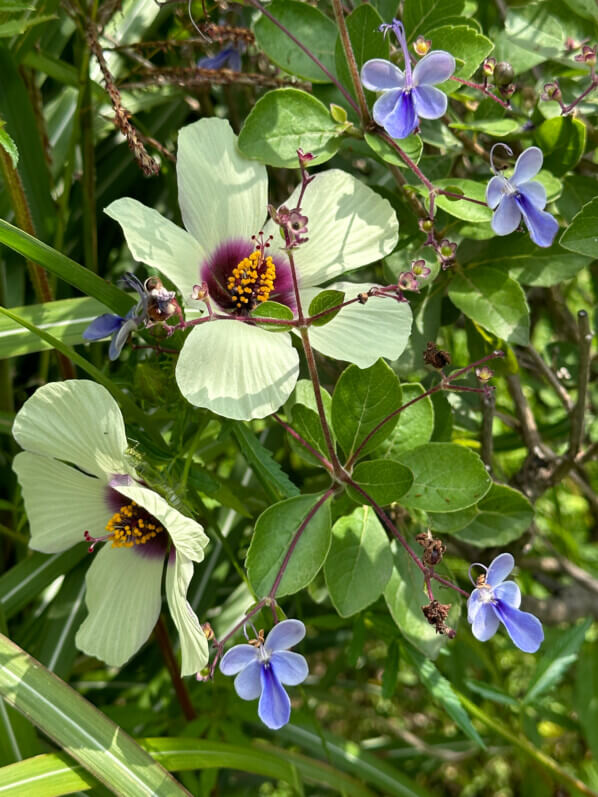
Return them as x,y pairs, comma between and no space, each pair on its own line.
199,292
587,55
508,91
422,45
489,66
407,281
338,113
551,91
426,225
503,73
484,374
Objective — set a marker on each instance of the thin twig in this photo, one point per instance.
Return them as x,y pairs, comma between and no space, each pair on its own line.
339,15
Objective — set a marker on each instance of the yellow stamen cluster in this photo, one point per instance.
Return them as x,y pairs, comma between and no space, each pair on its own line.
132,525
252,280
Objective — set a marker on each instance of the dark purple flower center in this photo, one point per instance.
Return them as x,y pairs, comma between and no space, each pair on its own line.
241,274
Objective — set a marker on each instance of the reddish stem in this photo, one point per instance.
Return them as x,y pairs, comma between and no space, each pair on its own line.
303,442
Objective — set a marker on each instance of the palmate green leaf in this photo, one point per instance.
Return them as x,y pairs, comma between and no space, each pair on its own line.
556,660
310,26
494,301
274,532
65,268
442,691
421,16
359,563
284,120
271,476
416,426
384,481
366,40
447,477
66,319
582,234
562,140
361,400
79,728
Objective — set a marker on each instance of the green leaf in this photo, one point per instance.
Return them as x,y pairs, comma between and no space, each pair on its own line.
271,476
79,728
325,301
366,40
532,35
16,27
9,146
578,190
494,301
384,480
502,516
412,146
447,477
463,43
557,659
391,670
416,426
450,522
586,694
562,139
490,127
581,235
420,16
527,263
306,422
584,8
405,594
284,120
361,400
274,532
491,693
441,690
65,268
311,27
67,319
461,208
359,563
273,310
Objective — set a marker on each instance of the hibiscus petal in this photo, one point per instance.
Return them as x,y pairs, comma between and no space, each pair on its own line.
541,225
378,74
349,226
535,193
528,165
61,502
274,708
396,116
194,644
285,635
102,326
524,629
237,658
506,216
509,592
290,668
435,67
499,569
430,102
123,599
485,623
187,535
361,333
496,190
76,421
248,683
160,243
237,370
221,193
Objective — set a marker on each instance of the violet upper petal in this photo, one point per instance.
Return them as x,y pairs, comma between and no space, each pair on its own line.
485,623
536,193
285,635
290,668
528,165
274,708
378,74
435,67
499,569
506,216
508,592
524,629
430,102
395,111
541,225
248,683
495,190
237,658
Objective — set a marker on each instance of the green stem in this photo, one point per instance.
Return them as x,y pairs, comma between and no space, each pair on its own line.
339,15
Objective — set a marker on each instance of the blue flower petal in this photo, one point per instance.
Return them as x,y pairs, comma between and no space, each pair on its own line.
541,225
237,658
495,190
228,56
528,165
524,629
535,193
380,75
485,622
506,216
435,67
430,103
395,111
290,668
248,683
499,569
120,338
473,604
509,592
103,326
274,708
284,635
